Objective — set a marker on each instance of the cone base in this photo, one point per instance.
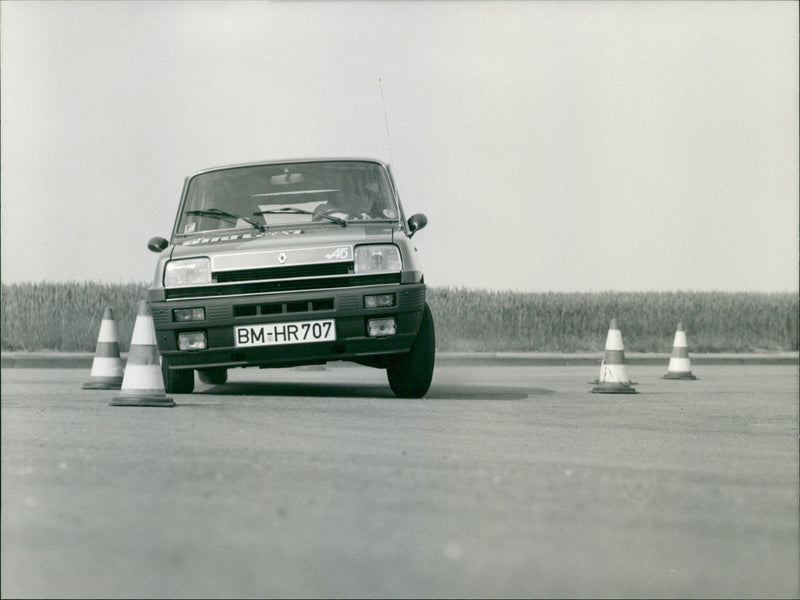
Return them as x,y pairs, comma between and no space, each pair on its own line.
103,383
613,388
158,401
679,375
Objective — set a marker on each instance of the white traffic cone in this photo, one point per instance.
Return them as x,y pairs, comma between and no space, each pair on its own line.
613,371
143,383
107,367
679,365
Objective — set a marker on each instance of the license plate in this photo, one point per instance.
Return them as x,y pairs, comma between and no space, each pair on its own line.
278,334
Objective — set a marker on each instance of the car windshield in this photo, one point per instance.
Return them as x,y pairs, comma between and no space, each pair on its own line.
290,194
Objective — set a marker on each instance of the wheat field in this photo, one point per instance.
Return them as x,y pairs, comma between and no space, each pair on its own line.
66,317
475,320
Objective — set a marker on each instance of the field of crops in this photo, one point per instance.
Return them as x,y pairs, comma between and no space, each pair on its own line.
476,320
67,316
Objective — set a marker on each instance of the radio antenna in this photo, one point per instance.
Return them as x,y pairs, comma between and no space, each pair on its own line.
386,122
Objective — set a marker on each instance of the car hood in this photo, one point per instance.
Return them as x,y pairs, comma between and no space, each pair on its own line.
284,239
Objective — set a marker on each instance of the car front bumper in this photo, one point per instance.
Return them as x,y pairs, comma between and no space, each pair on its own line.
345,306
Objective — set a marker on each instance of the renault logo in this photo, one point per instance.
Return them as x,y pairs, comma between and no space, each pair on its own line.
281,258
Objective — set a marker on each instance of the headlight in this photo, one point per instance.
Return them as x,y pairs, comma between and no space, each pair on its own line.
182,315
192,340
191,271
384,257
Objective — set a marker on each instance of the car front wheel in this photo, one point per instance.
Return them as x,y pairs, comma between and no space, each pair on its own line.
177,381
410,374
213,376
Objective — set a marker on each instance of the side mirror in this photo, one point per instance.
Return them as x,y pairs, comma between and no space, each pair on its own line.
157,244
416,222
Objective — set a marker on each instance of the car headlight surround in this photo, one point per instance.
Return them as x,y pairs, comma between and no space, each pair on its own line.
188,271
375,258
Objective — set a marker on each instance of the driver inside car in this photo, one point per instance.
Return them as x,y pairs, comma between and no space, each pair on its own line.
355,201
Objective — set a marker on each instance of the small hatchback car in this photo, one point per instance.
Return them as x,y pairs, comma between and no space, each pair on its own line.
278,264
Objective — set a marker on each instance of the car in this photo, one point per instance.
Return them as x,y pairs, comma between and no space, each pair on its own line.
289,263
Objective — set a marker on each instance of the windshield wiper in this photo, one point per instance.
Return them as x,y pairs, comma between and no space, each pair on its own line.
218,212
300,211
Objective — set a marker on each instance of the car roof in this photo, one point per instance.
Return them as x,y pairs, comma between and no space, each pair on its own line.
290,160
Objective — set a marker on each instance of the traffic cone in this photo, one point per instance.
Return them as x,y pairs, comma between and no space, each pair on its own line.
143,383
613,371
679,365
107,368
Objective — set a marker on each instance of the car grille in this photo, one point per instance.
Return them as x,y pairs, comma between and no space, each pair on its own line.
291,272
280,308
276,280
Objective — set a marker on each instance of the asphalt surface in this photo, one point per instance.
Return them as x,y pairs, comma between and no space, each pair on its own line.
506,481
83,360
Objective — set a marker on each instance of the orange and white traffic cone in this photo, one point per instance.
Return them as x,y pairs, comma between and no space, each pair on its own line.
679,365
143,384
107,367
613,370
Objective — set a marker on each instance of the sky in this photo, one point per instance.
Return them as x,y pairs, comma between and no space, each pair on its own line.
554,146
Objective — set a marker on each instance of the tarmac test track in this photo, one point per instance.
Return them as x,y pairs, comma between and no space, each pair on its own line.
506,481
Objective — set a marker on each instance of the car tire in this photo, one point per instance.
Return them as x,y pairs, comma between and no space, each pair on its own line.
177,381
213,376
411,373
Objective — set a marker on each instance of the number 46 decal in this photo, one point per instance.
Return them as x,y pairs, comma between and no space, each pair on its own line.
342,253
